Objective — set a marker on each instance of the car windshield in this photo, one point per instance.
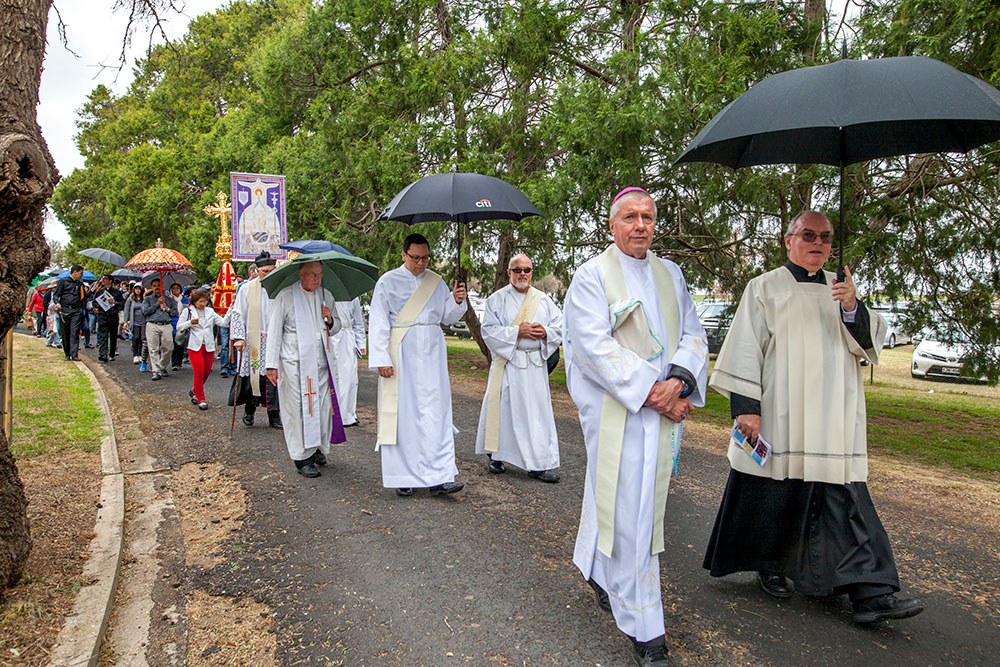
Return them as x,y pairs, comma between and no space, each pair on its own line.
956,338
712,310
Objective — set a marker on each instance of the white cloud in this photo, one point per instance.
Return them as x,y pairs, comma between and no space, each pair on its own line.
95,34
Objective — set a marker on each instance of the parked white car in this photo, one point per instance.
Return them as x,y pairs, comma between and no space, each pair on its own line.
935,359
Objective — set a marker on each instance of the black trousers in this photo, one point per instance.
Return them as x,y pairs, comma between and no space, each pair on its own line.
107,335
177,355
70,322
39,323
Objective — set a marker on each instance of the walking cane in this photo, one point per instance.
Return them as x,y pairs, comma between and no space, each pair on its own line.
239,365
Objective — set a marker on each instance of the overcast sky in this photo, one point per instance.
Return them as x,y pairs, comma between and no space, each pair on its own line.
94,33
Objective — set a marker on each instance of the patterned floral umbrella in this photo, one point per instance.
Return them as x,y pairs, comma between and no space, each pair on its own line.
159,259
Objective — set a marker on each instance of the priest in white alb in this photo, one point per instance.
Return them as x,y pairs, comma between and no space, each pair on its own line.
523,328
300,362
415,431
790,367
248,319
349,344
636,364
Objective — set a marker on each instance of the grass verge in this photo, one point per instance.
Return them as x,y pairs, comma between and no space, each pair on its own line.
54,407
57,428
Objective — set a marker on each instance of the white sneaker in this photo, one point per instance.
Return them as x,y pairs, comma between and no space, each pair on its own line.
136,360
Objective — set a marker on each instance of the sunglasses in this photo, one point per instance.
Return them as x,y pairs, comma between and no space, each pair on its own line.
809,236
519,269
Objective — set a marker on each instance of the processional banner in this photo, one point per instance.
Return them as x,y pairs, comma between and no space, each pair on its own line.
259,221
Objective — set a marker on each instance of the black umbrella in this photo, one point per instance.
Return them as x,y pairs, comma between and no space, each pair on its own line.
459,197
102,255
850,111
126,274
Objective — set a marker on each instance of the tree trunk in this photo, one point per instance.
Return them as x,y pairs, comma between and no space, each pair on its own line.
27,178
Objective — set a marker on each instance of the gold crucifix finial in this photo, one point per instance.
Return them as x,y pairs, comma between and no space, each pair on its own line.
224,247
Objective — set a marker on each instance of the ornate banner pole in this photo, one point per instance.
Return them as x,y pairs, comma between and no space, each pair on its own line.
225,284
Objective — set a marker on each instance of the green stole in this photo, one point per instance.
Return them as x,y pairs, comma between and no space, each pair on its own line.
614,414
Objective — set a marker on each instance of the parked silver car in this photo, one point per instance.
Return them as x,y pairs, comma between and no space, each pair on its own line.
897,334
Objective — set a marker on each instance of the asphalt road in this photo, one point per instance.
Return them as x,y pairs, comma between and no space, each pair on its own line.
358,576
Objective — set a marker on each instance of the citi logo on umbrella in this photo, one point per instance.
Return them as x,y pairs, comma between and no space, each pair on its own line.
484,203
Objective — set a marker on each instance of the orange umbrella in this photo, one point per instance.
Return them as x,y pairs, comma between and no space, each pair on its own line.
159,259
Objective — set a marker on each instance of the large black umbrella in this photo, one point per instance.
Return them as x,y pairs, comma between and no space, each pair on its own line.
850,111
459,197
102,255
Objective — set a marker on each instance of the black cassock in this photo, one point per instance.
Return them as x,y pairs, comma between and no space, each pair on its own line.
826,538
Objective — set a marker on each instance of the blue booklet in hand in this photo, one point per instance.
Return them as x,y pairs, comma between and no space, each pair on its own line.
759,451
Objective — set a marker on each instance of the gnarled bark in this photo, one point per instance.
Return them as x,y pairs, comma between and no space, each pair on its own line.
27,178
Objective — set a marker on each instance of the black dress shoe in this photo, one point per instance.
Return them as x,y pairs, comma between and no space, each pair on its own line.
602,596
404,492
319,458
357,423
885,607
103,359
545,475
447,487
76,358
497,467
69,358
274,422
774,584
156,376
652,655
308,470
247,419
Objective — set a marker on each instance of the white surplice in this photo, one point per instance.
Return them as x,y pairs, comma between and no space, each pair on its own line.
527,426
348,343
283,355
594,368
424,455
239,326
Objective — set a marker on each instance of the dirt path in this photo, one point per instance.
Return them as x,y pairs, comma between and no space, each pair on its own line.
338,570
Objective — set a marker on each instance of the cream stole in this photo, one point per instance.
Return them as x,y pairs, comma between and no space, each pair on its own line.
254,295
388,403
525,314
313,340
635,336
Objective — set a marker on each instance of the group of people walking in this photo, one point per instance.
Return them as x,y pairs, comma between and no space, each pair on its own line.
796,509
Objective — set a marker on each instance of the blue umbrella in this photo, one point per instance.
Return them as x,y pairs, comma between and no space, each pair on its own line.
310,247
87,275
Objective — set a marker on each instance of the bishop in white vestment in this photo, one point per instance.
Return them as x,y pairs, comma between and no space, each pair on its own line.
416,436
249,336
300,362
790,367
523,328
349,343
636,364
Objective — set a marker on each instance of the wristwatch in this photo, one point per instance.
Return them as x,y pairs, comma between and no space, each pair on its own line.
688,389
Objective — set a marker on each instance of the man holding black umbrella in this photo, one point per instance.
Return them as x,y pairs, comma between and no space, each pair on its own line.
790,367
415,430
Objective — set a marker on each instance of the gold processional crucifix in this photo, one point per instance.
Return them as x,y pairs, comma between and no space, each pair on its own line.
224,247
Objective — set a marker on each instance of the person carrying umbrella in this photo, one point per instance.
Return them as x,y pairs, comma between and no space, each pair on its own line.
790,368
159,310
300,362
406,345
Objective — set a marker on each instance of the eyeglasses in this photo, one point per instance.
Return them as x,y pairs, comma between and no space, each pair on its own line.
809,236
520,269
418,258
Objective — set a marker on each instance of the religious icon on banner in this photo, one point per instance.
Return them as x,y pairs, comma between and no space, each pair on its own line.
258,215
